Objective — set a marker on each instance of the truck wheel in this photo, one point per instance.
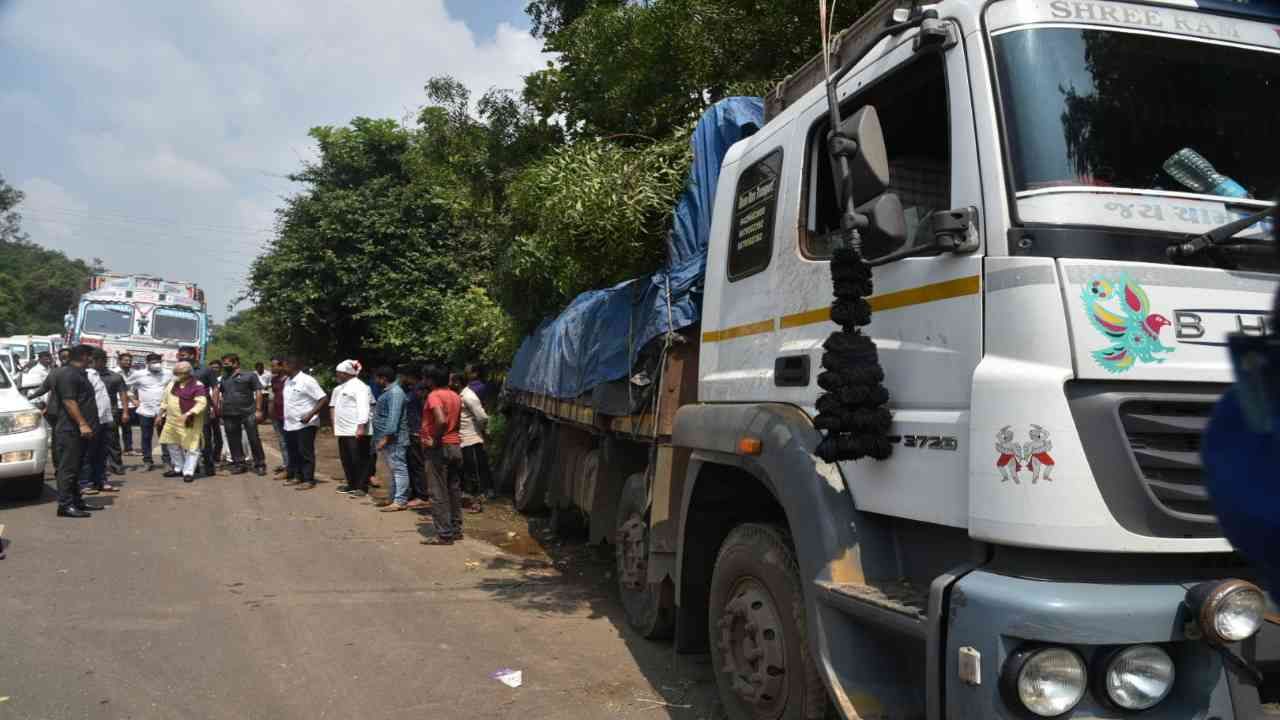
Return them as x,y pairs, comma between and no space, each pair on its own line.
512,450
759,647
21,489
530,491
641,600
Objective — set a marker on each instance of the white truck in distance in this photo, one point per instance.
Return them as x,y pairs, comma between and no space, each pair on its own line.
1052,331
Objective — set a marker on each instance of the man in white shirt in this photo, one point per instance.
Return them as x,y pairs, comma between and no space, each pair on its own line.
472,426
147,388
93,466
351,402
33,377
303,401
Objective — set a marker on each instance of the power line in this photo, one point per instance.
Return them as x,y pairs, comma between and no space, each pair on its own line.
143,222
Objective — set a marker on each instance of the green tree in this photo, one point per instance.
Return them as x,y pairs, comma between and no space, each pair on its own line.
249,334
650,68
36,285
388,252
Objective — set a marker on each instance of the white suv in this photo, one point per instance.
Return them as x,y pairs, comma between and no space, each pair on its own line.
24,442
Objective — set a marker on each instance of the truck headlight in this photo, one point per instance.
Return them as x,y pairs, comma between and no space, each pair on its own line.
1048,681
1228,611
22,421
1139,677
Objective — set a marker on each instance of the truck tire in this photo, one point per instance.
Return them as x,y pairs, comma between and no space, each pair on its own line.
512,448
22,489
642,601
759,644
530,477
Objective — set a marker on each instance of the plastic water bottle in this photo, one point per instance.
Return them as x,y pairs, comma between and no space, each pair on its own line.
1191,169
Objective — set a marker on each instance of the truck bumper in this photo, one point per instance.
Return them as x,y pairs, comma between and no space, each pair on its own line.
997,614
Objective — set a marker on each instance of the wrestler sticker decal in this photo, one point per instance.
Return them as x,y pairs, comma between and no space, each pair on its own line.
1013,457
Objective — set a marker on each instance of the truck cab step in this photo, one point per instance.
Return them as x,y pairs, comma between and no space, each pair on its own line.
895,605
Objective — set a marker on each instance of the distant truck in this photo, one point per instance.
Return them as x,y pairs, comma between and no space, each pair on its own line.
141,314
1063,203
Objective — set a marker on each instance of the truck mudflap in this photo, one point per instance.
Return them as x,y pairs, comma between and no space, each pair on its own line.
992,616
873,659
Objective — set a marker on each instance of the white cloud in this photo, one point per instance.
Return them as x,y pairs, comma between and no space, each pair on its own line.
49,211
192,114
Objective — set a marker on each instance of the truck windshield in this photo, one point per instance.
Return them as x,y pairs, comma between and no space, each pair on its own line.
176,324
1112,109
107,319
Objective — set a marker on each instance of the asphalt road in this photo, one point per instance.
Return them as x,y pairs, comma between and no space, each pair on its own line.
236,597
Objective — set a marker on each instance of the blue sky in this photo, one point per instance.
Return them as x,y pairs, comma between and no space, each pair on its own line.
155,135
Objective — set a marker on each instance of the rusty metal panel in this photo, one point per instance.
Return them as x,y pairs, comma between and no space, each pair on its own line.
848,43
668,493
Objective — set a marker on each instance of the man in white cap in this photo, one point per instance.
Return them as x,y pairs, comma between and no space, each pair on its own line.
351,402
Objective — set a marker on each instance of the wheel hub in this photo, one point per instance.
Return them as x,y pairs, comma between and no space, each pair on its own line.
752,649
633,544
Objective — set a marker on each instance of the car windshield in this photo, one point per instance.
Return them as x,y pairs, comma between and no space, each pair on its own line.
176,324
38,347
107,319
1104,108
5,384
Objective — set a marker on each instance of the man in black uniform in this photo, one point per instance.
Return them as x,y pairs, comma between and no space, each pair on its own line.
241,398
77,423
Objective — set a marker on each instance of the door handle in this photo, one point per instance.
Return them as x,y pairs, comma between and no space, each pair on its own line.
791,371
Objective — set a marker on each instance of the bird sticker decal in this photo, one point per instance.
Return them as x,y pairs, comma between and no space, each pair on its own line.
1119,309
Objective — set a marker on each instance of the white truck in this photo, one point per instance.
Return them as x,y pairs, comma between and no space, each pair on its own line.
1054,280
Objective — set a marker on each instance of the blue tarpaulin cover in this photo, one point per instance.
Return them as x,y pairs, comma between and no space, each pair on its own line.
597,338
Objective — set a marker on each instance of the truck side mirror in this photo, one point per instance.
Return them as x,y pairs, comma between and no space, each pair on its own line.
860,141
886,228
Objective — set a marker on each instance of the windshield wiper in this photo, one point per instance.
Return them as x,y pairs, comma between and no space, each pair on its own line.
1217,238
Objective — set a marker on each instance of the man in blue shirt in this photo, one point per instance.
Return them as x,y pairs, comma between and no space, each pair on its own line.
1241,452
415,397
391,438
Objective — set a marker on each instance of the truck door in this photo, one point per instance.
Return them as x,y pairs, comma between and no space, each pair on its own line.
927,321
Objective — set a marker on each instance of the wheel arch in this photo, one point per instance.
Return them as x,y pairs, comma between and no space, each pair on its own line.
810,497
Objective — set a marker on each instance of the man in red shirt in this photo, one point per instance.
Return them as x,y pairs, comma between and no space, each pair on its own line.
441,416
278,378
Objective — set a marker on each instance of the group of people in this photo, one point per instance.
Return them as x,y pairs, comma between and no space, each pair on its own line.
92,409
428,426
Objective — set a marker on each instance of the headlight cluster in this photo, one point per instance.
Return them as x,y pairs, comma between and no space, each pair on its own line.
1051,681
19,422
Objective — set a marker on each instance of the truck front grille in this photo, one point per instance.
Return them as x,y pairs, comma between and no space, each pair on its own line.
1143,444
1164,439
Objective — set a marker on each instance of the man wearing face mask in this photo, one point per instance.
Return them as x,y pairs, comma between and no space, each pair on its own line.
209,377
241,397
147,388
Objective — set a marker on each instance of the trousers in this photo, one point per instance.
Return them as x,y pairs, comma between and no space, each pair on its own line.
302,453
147,433
69,447
184,461
354,452
94,457
417,470
211,446
444,478
475,462
238,427
281,441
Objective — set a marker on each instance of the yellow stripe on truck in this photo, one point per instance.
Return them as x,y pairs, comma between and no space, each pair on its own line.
946,290
737,331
